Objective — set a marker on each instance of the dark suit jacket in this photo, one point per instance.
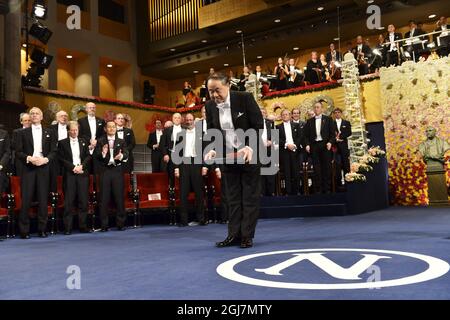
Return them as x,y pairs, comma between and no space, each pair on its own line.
245,114
297,136
327,130
153,139
130,142
346,129
397,36
119,144
25,147
5,149
85,131
66,157
365,49
166,143
338,56
438,34
54,127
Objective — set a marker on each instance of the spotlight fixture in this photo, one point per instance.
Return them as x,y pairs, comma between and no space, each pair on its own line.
277,20
225,64
204,41
173,49
320,8
196,71
39,9
33,77
238,31
259,57
109,65
295,48
41,58
69,56
40,32
370,1
432,16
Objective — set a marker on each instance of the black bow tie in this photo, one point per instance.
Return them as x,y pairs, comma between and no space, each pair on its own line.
119,130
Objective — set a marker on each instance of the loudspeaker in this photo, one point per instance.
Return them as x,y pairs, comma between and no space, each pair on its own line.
149,92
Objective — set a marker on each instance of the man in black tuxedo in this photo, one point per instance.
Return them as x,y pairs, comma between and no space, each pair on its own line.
362,53
189,151
153,143
168,140
229,111
333,55
319,139
342,130
25,121
91,129
267,181
392,48
127,135
74,156
60,132
290,148
296,77
111,152
5,152
36,147
444,37
416,34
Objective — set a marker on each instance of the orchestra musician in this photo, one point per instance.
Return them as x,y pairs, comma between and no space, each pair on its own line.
415,47
362,53
314,69
282,72
326,75
244,78
295,76
444,37
393,48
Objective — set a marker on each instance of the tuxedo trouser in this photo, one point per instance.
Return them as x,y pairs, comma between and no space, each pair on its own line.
343,151
289,161
322,166
157,161
191,179
111,183
76,187
243,195
34,180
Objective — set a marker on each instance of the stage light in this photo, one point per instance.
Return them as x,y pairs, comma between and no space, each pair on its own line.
39,9
40,32
320,8
33,77
277,20
259,57
432,16
41,58
225,64
204,41
370,1
69,56
195,71
295,48
238,31
109,65
173,50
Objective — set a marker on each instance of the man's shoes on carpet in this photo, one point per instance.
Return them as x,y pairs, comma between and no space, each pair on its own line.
42,234
228,242
24,236
85,230
181,225
104,229
121,228
67,232
246,243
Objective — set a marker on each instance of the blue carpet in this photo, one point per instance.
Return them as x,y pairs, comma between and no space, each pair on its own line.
163,262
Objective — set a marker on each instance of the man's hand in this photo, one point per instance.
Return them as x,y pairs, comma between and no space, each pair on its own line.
218,173
329,146
119,156
105,150
308,149
246,153
40,161
93,142
78,169
155,146
204,171
210,155
268,143
291,147
177,173
166,158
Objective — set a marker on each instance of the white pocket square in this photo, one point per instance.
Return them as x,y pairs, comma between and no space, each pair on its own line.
240,114
128,134
48,136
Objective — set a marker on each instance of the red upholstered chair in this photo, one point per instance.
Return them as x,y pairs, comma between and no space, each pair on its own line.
131,196
154,183
4,213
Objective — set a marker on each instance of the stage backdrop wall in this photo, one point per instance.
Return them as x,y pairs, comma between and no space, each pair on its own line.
414,96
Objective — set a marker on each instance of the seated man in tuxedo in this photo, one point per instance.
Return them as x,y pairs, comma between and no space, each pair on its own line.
35,148
290,147
319,139
342,130
74,156
5,153
415,48
153,143
442,39
127,135
111,152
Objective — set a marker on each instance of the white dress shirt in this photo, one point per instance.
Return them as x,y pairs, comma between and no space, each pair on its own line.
339,122
258,75
62,131
189,149
391,40
359,48
111,141
37,140
264,134
226,123
288,132
159,133
318,128
75,147
204,126
444,32
93,126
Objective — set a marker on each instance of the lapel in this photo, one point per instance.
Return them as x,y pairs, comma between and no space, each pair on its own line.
234,107
322,124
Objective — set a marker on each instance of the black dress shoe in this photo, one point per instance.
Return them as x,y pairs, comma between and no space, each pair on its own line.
42,234
121,228
246,243
182,225
104,229
24,236
229,241
67,233
84,230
